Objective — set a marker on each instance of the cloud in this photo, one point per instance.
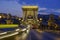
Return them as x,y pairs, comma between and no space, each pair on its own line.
44,13
49,10
12,7
9,0
42,9
27,4
54,10
24,3
58,10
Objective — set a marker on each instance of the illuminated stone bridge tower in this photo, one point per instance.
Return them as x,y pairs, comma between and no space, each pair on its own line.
30,14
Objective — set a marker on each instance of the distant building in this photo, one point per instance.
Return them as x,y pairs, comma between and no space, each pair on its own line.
3,18
3,15
9,19
51,22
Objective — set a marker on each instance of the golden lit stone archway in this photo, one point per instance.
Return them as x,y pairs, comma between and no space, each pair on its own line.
30,14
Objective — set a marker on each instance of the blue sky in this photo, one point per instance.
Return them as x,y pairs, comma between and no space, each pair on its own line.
45,6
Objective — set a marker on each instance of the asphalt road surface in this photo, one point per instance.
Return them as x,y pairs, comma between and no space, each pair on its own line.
20,36
35,35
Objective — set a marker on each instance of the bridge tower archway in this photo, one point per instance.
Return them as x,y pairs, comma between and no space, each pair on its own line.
30,14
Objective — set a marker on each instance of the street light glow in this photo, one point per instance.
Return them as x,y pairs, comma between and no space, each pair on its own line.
0,16
22,20
19,19
40,18
37,20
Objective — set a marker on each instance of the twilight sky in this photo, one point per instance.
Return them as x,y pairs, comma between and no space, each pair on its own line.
45,6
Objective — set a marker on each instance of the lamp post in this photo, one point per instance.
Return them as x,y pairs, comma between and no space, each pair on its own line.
0,18
40,22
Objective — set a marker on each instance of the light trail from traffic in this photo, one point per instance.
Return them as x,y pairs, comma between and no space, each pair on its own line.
4,36
17,35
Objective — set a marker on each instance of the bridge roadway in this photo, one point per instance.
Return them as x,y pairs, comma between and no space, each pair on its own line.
42,35
20,36
34,34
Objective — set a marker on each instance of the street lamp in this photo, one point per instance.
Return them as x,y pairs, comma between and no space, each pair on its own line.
40,19
0,16
22,20
19,19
